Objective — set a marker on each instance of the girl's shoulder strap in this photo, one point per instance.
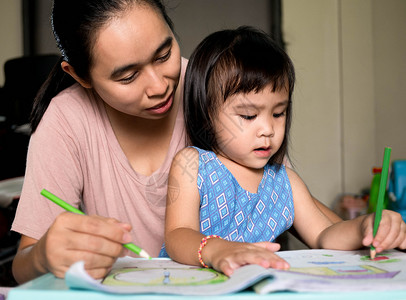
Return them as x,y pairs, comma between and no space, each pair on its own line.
205,156
275,170
275,167
202,151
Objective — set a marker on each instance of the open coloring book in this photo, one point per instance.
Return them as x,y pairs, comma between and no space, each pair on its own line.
311,270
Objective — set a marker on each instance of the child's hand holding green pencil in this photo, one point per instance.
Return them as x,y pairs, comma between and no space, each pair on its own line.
381,195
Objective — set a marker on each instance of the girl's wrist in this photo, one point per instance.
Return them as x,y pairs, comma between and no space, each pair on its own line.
203,244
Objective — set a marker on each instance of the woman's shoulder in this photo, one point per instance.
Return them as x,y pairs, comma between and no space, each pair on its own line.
184,62
183,66
71,98
70,115
71,107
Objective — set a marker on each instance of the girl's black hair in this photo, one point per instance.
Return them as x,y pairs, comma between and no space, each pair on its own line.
75,24
228,62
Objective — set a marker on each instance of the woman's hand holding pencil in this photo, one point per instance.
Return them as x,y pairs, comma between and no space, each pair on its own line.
96,240
130,246
73,237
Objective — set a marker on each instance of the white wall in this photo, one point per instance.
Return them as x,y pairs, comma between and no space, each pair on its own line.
358,100
389,44
350,58
311,34
11,37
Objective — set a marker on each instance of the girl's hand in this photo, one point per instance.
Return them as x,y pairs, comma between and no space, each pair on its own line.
391,232
71,238
229,256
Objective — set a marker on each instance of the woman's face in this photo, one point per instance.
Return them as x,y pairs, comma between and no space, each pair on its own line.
136,64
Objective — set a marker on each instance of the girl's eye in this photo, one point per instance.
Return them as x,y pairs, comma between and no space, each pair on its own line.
279,115
248,118
164,57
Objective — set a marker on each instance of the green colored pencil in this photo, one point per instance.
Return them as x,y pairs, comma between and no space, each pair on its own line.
130,246
381,195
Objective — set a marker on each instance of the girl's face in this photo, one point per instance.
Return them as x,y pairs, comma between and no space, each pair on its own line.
250,128
136,64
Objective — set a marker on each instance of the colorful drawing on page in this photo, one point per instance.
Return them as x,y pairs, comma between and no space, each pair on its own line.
327,262
166,276
380,258
346,272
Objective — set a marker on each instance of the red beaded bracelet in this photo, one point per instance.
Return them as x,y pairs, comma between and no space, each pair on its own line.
202,244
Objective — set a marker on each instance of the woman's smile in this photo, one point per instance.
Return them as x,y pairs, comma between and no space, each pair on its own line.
163,107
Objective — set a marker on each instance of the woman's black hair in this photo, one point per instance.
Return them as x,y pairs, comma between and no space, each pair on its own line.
75,24
226,63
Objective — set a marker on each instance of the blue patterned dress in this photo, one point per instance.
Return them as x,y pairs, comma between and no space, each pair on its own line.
226,209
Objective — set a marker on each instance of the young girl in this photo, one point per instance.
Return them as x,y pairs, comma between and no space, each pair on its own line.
230,196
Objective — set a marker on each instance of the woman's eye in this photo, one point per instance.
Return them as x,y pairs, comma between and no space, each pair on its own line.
164,57
128,79
247,117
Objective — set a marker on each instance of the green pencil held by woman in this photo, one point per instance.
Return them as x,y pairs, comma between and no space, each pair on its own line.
66,206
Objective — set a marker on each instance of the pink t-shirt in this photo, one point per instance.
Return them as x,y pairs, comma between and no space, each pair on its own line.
75,154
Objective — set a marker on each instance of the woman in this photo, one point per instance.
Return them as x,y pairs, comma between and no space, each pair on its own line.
104,143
